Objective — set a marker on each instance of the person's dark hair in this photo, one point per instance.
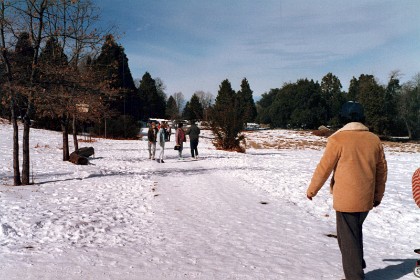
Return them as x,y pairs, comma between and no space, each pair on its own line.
352,111
180,125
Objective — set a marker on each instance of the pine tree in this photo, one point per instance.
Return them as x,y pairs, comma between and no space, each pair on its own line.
333,96
172,112
113,63
57,97
246,102
408,107
186,112
392,91
226,119
372,97
353,94
196,108
153,103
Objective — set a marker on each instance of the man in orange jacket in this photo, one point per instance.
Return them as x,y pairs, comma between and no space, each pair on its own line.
357,160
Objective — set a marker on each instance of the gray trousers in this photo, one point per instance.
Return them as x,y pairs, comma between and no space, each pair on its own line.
350,241
152,149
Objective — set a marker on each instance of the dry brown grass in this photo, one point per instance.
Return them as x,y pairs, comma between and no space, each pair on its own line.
261,141
409,147
280,144
87,140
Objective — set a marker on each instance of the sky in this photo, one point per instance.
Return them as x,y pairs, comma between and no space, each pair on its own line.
193,45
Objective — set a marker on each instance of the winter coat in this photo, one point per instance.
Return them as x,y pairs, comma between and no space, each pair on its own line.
360,170
193,132
180,136
416,186
161,137
152,134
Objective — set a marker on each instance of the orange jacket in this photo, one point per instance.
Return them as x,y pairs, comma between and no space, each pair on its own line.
360,170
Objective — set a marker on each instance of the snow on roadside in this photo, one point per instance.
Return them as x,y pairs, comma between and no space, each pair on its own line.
225,216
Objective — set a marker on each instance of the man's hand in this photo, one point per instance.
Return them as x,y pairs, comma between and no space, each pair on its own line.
376,203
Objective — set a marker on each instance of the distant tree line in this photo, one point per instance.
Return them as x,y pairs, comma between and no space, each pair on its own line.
390,110
59,70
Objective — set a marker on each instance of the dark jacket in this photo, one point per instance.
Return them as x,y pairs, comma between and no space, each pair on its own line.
152,134
193,132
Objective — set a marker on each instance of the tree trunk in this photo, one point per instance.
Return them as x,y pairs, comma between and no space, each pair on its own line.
410,134
16,170
25,150
65,130
76,142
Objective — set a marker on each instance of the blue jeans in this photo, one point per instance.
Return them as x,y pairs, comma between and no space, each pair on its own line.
193,145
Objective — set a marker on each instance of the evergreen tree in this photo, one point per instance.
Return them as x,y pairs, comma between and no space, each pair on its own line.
393,124
186,112
353,94
57,97
372,97
53,54
113,64
408,107
153,103
246,102
295,105
333,96
196,108
172,112
263,106
227,119
22,58
309,107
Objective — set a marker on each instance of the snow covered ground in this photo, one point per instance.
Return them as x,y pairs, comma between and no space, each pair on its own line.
224,216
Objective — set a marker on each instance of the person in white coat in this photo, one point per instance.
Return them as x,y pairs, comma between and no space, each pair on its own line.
161,139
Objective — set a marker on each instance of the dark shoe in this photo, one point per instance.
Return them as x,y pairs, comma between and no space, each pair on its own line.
161,161
158,160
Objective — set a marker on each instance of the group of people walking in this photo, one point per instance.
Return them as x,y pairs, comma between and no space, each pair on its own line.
161,133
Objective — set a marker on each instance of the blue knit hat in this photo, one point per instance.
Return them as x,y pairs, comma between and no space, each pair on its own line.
352,111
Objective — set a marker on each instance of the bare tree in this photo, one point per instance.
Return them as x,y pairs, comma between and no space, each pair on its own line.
5,23
206,100
18,17
74,25
71,23
180,101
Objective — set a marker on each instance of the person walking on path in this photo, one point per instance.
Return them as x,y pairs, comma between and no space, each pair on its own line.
180,139
151,137
168,133
357,160
161,138
193,132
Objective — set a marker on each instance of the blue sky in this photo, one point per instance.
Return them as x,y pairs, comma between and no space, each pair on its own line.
194,45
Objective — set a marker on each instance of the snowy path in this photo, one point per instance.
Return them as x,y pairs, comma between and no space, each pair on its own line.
217,227
225,216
